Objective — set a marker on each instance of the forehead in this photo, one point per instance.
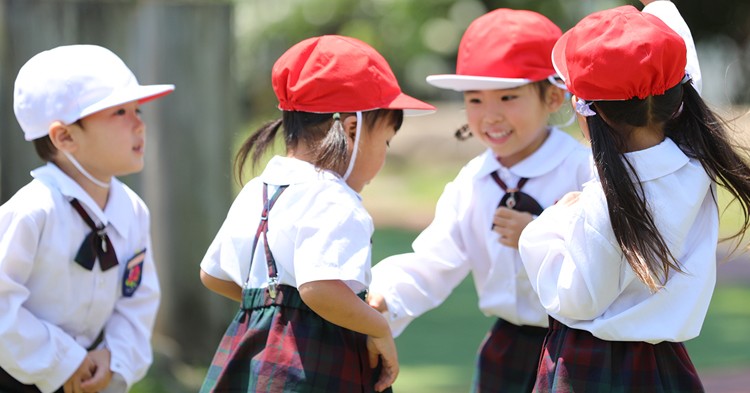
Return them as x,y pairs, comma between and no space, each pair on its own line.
498,92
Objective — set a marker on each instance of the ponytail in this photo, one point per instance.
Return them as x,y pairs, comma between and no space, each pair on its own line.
257,144
632,223
699,133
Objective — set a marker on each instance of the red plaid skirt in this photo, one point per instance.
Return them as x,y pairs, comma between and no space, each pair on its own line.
575,361
280,345
508,358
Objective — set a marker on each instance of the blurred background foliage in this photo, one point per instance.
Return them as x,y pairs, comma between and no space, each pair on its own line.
420,38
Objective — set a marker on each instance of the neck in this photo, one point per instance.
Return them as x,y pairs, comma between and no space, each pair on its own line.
642,138
99,194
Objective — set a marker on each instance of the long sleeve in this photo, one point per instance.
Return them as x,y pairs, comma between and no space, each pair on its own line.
417,282
128,330
32,350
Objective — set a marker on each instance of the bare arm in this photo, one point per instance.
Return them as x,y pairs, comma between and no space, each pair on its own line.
224,288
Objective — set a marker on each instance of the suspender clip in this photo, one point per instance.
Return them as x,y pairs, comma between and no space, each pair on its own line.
273,282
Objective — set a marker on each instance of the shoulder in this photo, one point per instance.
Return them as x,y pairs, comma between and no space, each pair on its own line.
35,202
133,200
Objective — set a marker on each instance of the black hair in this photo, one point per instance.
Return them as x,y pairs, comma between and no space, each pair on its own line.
463,133
315,130
44,147
683,116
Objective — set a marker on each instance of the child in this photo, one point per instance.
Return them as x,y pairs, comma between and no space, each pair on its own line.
509,93
626,267
78,286
301,278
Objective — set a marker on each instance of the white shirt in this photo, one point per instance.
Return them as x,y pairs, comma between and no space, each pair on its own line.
317,230
460,239
51,308
582,278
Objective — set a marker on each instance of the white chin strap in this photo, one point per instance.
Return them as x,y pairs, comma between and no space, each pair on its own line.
356,147
85,172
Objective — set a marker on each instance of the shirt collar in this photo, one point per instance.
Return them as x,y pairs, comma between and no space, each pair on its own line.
657,161
547,157
287,170
117,211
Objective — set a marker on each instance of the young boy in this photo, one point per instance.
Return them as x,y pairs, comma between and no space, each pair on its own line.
78,285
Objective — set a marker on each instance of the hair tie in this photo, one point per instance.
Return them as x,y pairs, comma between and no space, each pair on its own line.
584,108
336,116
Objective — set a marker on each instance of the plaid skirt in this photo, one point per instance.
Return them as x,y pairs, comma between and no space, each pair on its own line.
280,345
575,361
508,358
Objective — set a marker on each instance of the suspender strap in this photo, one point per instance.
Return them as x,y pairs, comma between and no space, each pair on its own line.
263,230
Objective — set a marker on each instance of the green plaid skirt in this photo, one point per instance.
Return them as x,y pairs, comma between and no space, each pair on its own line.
280,345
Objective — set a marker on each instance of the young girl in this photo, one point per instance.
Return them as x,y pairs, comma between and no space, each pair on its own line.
509,93
301,277
626,267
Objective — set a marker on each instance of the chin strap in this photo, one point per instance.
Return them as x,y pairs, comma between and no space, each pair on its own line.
356,147
85,172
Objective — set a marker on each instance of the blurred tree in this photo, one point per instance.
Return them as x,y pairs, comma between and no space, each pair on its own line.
419,38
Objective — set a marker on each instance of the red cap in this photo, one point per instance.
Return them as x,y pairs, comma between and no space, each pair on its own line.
338,74
619,54
502,49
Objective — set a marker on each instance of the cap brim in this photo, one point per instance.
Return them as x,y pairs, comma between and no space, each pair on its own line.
411,106
136,93
470,83
558,58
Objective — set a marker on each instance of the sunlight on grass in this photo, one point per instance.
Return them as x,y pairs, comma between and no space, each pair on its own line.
431,379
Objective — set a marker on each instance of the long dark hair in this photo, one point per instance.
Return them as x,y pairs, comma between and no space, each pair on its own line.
686,119
315,130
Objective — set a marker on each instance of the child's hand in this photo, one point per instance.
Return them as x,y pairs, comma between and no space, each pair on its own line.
102,374
84,372
569,199
509,223
385,349
376,301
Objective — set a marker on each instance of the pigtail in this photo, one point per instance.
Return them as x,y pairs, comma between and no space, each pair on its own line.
332,151
256,144
632,223
703,136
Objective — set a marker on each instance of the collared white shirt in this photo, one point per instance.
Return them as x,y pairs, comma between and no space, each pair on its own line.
317,230
460,239
52,309
582,278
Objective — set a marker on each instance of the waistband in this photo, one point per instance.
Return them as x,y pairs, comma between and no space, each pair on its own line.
286,296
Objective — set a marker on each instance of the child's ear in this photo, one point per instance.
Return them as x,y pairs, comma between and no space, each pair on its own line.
61,137
350,125
554,98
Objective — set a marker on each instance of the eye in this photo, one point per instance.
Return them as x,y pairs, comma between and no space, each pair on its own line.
138,111
388,143
120,112
509,97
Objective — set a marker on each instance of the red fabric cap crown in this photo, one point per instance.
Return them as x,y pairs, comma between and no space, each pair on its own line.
333,73
507,43
502,49
619,54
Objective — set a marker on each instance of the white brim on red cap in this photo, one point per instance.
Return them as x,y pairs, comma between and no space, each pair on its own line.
471,83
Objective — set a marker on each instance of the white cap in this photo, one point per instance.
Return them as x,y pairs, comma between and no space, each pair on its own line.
68,83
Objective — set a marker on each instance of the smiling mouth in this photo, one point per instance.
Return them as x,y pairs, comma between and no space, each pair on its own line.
499,134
